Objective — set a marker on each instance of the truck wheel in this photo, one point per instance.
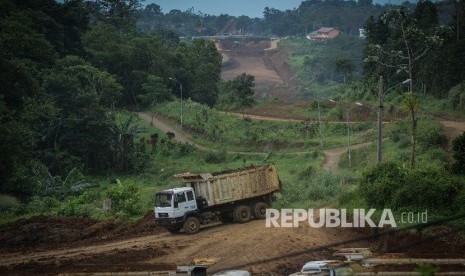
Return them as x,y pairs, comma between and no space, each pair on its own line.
191,225
259,210
226,217
174,229
242,214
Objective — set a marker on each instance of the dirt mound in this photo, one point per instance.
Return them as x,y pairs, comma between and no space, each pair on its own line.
447,243
115,260
42,233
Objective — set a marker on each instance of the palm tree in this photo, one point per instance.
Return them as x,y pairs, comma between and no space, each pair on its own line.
124,132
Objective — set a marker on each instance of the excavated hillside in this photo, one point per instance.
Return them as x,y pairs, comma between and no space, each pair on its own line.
261,58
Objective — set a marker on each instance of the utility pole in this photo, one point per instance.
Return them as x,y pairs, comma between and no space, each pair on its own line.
348,137
181,104
319,122
380,118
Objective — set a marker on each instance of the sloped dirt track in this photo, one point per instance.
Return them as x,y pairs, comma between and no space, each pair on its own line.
111,247
35,250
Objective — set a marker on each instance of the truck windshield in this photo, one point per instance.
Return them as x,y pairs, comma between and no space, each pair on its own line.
163,200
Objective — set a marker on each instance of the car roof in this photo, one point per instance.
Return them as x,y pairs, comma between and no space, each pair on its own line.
233,273
316,264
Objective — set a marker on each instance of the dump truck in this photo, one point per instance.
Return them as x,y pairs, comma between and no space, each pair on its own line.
230,196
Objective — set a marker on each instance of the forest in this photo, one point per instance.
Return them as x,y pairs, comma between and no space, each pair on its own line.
68,69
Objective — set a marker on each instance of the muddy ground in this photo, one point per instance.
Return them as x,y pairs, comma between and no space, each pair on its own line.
46,245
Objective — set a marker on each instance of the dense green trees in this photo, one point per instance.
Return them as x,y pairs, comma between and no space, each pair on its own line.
206,71
389,185
33,36
63,78
347,16
416,45
84,96
237,93
458,146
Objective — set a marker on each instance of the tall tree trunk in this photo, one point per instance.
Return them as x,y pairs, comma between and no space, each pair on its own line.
413,139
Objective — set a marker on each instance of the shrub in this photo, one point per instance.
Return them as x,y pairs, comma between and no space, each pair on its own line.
429,187
431,133
380,183
336,114
216,157
426,187
457,96
41,205
458,146
73,207
125,199
308,173
459,207
326,186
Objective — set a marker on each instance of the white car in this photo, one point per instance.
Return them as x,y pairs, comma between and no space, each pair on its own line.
317,268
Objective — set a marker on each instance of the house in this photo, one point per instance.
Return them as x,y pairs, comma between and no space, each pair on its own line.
362,33
323,34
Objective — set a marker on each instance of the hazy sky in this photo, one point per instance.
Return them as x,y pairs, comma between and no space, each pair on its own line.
251,8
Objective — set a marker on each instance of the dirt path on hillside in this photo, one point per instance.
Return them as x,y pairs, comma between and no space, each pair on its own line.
453,129
166,125
333,156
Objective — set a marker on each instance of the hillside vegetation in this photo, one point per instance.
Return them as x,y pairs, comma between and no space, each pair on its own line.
74,74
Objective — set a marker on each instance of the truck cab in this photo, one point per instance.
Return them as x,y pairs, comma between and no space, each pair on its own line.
173,206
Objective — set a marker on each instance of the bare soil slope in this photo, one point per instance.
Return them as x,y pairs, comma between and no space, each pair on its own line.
118,247
260,58
87,245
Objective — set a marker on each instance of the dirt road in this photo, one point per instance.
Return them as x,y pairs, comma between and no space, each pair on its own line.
31,247
166,125
251,246
333,156
453,128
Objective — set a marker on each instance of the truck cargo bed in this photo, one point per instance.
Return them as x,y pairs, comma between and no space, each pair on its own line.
231,186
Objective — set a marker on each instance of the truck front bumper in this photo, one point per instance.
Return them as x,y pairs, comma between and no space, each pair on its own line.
169,221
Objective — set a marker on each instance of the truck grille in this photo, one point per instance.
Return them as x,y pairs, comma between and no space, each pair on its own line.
162,215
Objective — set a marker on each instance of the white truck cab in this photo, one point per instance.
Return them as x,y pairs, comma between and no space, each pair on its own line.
172,206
